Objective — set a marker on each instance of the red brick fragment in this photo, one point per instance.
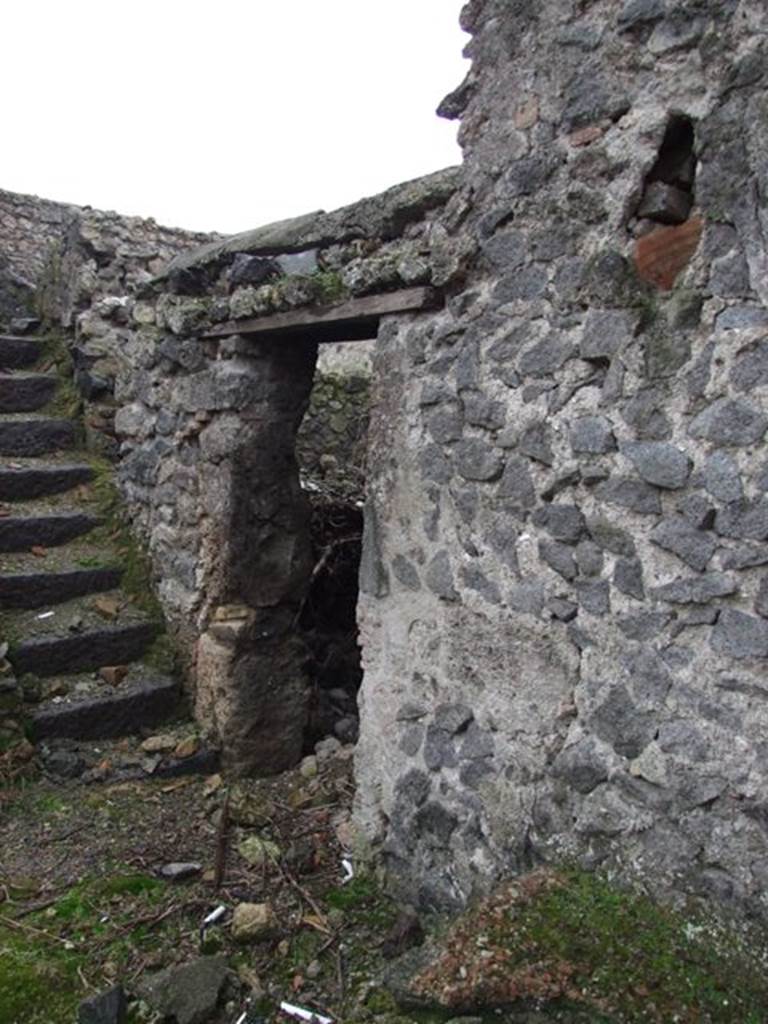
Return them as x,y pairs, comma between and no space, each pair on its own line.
663,254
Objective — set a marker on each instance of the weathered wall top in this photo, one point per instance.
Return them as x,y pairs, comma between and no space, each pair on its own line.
381,217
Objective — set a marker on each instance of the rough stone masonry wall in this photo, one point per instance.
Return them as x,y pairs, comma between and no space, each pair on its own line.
207,429
564,615
78,253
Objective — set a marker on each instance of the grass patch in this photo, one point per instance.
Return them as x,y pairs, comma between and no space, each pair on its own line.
42,967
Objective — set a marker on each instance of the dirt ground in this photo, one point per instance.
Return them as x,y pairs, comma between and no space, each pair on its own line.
83,895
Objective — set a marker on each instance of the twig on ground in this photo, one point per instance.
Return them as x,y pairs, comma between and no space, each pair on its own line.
221,846
11,923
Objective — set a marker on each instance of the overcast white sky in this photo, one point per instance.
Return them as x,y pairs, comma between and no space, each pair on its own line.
223,115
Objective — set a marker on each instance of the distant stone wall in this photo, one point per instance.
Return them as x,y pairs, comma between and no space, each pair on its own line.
564,615
77,254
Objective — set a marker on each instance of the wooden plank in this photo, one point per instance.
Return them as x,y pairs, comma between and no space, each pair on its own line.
355,319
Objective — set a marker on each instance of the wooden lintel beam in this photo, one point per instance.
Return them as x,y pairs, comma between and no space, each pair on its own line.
351,319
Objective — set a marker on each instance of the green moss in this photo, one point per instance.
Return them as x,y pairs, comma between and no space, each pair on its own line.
115,531
39,982
327,286
621,952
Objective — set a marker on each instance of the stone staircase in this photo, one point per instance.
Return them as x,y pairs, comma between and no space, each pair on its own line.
86,657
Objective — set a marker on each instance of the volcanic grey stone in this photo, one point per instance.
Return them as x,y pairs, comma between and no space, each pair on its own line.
562,522
411,738
35,590
506,250
25,392
24,438
745,556
630,494
83,652
610,537
120,713
439,751
413,787
445,424
545,357
582,765
36,481
729,275
108,1007
562,610
628,577
620,723
605,333
186,994
478,460
453,717
592,435
439,577
722,478
742,318
665,204
644,626
20,534
406,572
750,368
536,443
474,579
636,13
698,511
523,284
516,484
434,465
645,412
16,353
589,558
558,557
594,596
697,589
745,520
729,421
436,823
658,463
739,635
678,31
481,411
589,97
694,547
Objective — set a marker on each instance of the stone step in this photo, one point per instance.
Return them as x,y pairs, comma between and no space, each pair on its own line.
122,711
42,589
83,652
20,533
25,437
25,392
24,482
16,352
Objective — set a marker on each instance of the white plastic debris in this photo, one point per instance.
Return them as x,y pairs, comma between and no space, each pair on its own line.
214,916
349,871
301,1014
45,615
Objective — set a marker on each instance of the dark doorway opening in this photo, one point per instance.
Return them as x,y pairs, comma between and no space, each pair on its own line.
331,449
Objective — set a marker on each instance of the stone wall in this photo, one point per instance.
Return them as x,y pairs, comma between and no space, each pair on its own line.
207,443
565,598
79,254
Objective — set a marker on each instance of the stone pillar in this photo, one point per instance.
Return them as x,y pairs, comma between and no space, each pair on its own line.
252,691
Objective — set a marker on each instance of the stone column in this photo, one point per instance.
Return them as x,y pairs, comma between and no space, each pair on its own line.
252,691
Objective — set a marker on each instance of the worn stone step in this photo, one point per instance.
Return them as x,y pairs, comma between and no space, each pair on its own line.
83,652
120,712
24,482
42,589
20,533
25,392
16,352
24,437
